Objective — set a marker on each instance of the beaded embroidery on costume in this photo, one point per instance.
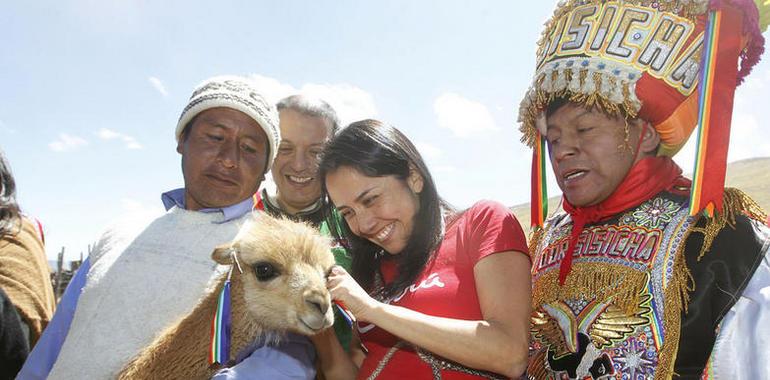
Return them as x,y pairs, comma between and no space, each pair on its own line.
618,315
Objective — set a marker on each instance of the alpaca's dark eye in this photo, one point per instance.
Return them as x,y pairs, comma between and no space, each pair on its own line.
265,271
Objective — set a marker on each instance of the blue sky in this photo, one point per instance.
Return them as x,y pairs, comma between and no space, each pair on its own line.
92,91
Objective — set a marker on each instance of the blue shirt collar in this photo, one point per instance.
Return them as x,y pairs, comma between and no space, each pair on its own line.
176,198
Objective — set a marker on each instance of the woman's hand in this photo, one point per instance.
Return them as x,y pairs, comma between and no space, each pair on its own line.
345,289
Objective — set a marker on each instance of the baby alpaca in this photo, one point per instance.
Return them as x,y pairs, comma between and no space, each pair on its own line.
282,288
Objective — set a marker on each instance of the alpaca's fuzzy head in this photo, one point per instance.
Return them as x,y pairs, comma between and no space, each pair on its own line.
284,265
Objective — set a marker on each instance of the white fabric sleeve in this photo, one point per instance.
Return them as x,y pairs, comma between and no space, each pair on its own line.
742,347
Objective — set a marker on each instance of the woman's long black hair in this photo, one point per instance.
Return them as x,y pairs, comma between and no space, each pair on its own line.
9,209
376,150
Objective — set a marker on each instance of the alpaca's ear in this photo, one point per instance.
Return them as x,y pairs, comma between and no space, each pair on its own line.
223,254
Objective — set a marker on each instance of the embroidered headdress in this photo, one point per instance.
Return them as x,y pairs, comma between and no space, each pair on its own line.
661,61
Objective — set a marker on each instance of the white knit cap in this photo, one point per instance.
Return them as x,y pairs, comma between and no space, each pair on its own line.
240,94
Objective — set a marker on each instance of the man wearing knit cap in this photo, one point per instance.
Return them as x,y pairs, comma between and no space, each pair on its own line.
648,274
141,278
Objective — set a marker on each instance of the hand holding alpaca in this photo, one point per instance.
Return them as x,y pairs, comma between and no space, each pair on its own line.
282,287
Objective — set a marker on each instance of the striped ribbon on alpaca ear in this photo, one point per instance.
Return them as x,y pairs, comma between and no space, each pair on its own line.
219,349
350,319
219,353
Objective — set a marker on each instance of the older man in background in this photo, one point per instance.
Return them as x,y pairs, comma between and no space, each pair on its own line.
307,123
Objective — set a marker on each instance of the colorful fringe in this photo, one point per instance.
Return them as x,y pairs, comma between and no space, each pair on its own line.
722,47
539,201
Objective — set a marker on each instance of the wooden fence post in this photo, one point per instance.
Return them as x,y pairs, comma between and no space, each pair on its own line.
59,269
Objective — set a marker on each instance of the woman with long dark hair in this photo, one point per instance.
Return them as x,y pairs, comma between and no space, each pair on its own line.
436,292
26,295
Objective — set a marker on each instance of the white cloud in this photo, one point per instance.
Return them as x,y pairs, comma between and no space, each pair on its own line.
350,102
427,151
158,85
108,134
272,88
67,143
464,117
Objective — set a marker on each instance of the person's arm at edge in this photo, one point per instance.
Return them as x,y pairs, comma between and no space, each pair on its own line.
46,351
741,340
292,358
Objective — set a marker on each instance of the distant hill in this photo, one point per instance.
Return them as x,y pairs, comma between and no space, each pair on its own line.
750,175
753,177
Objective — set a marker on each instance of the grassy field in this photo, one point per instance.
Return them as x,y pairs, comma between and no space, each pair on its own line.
751,175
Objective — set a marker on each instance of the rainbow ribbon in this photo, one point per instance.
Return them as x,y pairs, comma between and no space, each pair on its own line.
349,318
719,76
219,348
219,352
539,200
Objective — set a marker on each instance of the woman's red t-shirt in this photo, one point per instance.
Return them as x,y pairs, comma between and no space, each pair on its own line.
446,287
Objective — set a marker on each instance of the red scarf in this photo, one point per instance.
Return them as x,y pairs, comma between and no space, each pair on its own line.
648,177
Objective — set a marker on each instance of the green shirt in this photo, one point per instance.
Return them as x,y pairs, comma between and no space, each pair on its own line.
341,257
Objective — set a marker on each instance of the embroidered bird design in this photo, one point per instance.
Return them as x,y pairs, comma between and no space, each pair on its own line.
575,341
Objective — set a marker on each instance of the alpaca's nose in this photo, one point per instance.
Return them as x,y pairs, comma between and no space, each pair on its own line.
317,301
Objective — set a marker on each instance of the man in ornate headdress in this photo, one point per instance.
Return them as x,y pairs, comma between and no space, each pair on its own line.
648,274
